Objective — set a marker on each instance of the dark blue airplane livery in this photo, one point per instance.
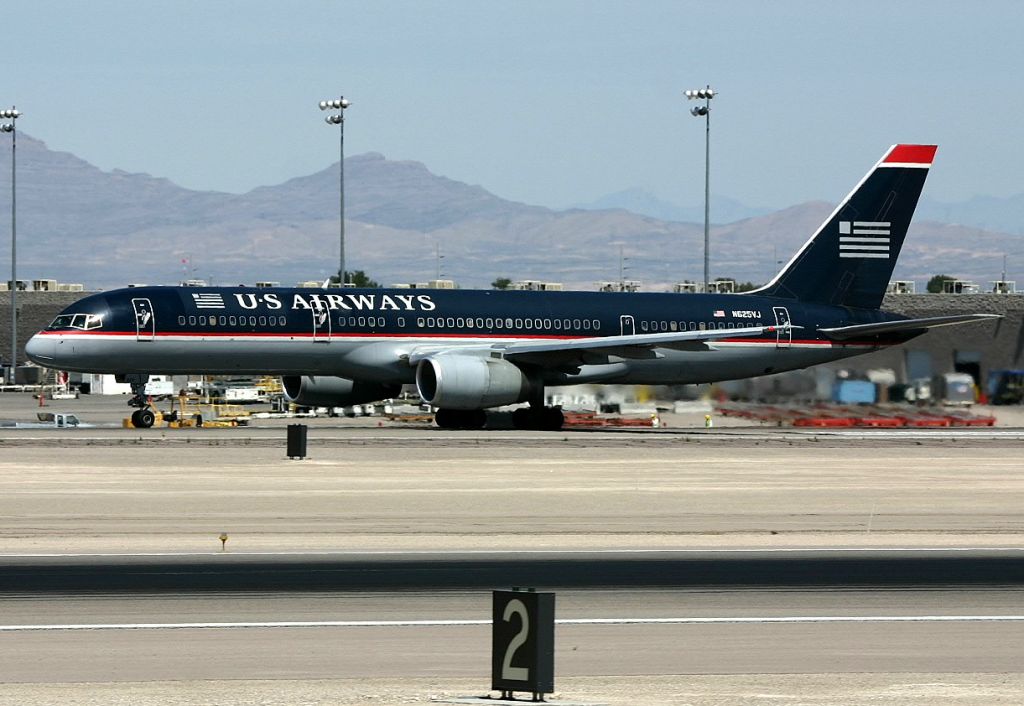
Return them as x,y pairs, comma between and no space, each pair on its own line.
468,351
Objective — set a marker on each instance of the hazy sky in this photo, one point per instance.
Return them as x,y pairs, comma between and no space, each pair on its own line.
545,102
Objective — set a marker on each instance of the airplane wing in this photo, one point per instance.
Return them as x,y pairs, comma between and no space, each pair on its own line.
636,346
842,333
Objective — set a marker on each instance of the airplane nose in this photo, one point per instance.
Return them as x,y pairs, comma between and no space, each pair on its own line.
42,350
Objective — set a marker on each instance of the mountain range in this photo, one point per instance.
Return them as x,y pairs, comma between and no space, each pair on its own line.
106,228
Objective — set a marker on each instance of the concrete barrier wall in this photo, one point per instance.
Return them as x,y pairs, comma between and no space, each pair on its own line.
35,311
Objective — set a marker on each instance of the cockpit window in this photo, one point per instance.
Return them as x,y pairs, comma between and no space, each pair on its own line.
84,322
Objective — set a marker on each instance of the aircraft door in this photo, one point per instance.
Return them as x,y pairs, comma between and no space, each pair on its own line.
783,330
145,322
626,325
321,322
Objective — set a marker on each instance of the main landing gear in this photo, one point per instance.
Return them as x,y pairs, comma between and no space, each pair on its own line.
539,418
460,418
144,417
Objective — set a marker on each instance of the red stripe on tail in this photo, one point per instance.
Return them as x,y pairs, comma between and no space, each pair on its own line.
912,154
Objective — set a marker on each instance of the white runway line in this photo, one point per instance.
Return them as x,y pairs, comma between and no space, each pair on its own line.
567,621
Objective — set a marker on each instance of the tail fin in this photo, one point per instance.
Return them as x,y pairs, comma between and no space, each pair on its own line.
849,260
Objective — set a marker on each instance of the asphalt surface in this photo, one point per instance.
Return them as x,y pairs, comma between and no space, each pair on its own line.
556,570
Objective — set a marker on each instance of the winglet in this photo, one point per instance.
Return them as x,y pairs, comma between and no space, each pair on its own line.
910,156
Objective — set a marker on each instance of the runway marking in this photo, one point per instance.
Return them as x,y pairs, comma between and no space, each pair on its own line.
567,621
521,552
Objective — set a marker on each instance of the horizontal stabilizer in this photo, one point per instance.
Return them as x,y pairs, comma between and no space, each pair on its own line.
843,333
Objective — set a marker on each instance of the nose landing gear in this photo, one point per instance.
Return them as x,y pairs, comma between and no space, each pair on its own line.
144,417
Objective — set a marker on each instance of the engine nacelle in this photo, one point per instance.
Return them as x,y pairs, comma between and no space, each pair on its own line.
329,391
455,381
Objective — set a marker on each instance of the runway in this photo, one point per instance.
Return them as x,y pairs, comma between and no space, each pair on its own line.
368,635
718,566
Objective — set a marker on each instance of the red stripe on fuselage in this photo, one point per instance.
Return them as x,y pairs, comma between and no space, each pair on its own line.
324,336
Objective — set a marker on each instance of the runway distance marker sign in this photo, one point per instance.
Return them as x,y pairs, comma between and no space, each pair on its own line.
523,642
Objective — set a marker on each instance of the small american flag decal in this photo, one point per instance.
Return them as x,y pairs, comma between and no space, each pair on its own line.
211,300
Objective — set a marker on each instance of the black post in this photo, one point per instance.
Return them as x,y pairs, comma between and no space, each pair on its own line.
297,440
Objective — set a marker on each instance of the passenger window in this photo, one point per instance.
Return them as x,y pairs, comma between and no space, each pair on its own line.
202,321
693,326
421,322
461,322
703,326
231,319
252,321
263,320
508,323
586,324
361,321
558,324
479,323
401,322
643,325
674,326
566,324
181,321
273,321
499,323
451,322
597,324
490,323
576,324
527,323
519,323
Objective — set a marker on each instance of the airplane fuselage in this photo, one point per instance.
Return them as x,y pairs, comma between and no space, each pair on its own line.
367,334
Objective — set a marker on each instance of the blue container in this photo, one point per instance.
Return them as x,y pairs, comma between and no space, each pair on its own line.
854,392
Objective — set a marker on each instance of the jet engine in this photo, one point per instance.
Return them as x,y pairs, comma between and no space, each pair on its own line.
328,391
453,381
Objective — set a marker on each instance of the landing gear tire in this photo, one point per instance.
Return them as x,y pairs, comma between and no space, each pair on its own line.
552,419
460,418
539,419
143,418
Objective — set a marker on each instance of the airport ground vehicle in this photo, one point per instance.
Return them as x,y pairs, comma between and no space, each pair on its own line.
468,351
1006,387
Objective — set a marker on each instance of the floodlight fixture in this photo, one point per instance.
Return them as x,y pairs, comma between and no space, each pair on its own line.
339,104
13,114
704,111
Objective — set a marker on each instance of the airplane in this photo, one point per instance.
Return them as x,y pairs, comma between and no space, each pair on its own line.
468,351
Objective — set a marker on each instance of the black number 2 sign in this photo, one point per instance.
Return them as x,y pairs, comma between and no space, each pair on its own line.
523,642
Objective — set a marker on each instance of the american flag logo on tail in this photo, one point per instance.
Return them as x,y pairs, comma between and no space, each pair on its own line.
211,300
868,239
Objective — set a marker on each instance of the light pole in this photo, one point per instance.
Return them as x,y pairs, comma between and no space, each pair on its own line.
13,114
339,104
705,94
